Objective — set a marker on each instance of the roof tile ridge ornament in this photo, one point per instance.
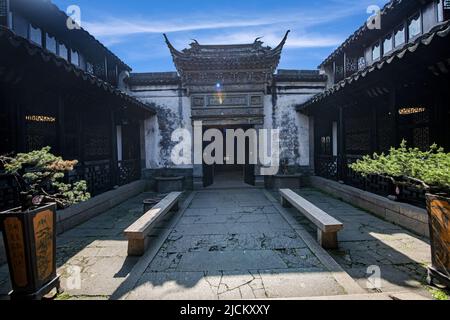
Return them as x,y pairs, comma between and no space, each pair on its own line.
277,50
173,51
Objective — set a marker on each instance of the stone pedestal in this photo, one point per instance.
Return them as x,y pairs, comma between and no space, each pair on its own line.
198,177
293,181
169,184
259,181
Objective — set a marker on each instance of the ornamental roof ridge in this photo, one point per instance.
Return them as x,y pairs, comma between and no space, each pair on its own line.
199,50
226,58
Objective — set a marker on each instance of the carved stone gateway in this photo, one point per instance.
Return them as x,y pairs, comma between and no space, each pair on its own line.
237,68
227,83
228,109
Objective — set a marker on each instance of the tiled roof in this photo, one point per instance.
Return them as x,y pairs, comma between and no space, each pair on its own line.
440,31
300,75
386,10
225,57
62,16
9,38
153,78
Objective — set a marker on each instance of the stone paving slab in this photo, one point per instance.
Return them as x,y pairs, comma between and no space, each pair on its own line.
230,251
225,285
233,244
300,283
230,261
230,242
230,228
370,241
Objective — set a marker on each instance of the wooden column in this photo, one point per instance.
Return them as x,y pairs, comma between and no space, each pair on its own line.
114,160
20,121
80,125
11,111
373,128
439,128
61,130
341,145
393,115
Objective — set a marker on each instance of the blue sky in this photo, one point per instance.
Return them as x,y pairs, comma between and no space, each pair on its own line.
133,29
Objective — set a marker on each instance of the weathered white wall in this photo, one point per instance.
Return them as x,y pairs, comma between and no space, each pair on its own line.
294,128
174,112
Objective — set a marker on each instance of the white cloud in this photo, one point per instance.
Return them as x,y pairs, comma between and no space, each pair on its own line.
144,32
124,26
119,27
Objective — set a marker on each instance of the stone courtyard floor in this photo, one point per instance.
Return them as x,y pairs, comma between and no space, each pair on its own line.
233,244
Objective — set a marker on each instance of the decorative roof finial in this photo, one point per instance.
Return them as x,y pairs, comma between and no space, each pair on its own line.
279,48
172,49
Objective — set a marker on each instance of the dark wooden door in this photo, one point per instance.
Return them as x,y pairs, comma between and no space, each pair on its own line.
249,169
208,171
208,175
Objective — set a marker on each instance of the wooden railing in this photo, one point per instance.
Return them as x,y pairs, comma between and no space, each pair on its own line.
129,171
328,167
9,193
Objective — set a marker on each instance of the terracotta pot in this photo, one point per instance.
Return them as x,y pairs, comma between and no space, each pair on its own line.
30,243
438,208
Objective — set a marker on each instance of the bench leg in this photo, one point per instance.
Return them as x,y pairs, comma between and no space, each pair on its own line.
328,240
137,247
175,207
285,203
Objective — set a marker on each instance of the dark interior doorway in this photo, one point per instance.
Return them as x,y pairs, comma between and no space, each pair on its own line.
229,174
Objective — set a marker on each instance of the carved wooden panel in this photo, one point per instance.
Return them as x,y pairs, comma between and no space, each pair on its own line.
327,167
351,65
217,100
13,229
439,210
43,236
357,132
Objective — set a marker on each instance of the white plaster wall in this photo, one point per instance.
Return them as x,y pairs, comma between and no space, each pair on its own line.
268,112
152,139
294,127
174,112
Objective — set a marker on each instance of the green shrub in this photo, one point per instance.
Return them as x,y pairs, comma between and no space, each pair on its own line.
39,174
429,170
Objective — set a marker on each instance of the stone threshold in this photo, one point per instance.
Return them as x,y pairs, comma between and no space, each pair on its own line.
410,217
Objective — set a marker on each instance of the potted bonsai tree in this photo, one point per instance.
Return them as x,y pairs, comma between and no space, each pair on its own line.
29,231
427,170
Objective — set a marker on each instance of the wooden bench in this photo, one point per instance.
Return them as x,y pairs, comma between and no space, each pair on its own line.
137,233
327,226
